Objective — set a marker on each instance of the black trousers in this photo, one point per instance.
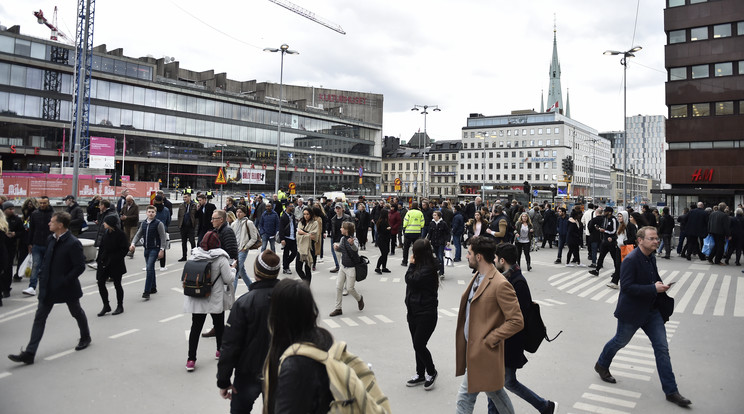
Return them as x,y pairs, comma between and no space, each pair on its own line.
6,278
384,250
408,241
393,243
197,323
187,235
305,275
290,252
667,238
718,249
101,277
421,328
248,389
523,247
611,248
693,247
573,251
42,313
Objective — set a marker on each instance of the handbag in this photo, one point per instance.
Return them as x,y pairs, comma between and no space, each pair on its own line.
708,245
625,249
258,242
361,268
665,304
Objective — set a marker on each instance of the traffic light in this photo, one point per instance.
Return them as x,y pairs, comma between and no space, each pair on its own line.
565,165
570,166
115,180
527,187
554,190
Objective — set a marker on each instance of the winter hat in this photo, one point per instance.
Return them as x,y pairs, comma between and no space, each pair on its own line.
267,265
7,205
210,241
111,220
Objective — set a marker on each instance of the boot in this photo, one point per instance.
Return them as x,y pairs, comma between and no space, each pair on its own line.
106,309
119,309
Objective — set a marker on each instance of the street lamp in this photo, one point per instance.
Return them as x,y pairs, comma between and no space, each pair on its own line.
423,153
222,163
315,163
483,136
168,148
624,61
283,49
594,167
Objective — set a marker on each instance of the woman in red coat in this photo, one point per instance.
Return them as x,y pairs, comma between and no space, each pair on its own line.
395,222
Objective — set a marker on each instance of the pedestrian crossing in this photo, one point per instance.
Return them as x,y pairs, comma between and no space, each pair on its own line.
635,362
695,292
355,321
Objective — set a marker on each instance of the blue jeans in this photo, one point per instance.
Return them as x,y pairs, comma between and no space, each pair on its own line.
333,253
561,243
517,388
241,270
439,252
37,255
265,240
593,252
151,256
466,400
653,326
458,246
682,236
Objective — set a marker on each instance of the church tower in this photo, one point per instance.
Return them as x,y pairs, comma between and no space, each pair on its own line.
555,97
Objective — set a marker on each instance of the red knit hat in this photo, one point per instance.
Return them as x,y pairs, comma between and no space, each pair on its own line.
210,241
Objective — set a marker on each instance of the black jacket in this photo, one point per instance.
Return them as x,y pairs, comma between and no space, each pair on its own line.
550,224
63,263
447,215
650,218
245,342
514,346
302,387
204,218
336,226
458,224
666,224
114,247
697,223
428,216
439,234
682,222
15,224
631,231
422,290
285,228
718,224
78,218
594,234
101,230
228,241
93,210
349,253
38,226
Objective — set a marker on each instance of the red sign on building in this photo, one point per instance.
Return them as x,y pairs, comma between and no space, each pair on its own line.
702,175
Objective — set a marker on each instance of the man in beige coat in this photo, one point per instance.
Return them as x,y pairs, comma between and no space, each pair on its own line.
489,314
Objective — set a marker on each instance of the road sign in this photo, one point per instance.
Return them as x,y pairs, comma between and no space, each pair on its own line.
292,188
398,184
220,177
534,193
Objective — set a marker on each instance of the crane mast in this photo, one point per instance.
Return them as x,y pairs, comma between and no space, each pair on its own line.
308,15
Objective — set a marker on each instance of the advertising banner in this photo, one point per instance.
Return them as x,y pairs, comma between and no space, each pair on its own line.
102,152
253,176
233,175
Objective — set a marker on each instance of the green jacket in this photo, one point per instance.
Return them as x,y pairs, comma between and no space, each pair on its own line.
414,222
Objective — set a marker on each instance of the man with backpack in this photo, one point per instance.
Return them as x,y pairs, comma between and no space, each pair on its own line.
514,347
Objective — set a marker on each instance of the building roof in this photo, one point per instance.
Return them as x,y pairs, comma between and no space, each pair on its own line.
419,139
446,146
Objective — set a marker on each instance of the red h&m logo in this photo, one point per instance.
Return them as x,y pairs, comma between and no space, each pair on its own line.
702,175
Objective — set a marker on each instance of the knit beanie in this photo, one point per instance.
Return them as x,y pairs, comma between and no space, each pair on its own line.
111,220
267,265
210,241
7,205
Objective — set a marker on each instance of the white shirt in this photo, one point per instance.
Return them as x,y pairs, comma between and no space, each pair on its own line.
477,283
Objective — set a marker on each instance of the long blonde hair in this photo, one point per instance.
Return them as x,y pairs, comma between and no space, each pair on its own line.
3,223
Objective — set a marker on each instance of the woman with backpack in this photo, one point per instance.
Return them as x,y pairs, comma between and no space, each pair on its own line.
422,283
114,247
246,235
307,233
219,300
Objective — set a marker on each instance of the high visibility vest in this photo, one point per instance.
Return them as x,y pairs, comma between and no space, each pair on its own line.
414,222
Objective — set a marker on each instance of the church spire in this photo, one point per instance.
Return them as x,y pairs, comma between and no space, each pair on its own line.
542,101
555,98
568,105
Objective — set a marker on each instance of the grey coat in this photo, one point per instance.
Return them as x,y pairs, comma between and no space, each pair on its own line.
222,295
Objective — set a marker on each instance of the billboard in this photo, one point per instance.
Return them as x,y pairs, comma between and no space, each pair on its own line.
250,176
102,152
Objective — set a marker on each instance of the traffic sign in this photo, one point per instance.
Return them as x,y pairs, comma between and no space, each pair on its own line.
292,188
220,177
534,192
398,184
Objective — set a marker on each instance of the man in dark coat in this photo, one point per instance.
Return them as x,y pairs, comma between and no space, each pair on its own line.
666,228
649,216
428,212
203,216
16,232
697,229
287,237
458,228
682,220
258,209
187,224
640,305
61,266
550,226
76,212
719,227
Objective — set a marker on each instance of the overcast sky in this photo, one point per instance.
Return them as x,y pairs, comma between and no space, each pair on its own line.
468,56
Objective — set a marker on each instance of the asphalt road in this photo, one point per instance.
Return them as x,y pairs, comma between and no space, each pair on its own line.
136,361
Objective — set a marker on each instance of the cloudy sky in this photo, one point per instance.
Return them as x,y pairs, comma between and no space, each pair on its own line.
468,56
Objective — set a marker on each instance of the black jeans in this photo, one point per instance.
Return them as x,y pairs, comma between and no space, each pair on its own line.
197,323
6,277
187,235
305,275
718,249
611,248
573,250
101,277
42,313
290,252
523,247
246,393
393,243
421,328
409,239
384,250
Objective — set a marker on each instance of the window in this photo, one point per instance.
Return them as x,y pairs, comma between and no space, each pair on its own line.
501,133
700,71
539,131
676,3
721,30
547,131
698,33
516,132
723,69
524,132
741,67
508,133
701,109
678,111
677,74
725,108
676,36
556,130
532,131
740,28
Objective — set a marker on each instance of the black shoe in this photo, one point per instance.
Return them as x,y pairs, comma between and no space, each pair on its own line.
678,399
17,278
666,257
429,384
209,334
404,263
183,259
146,296
334,270
386,270
28,358
550,409
119,309
604,373
6,293
592,265
153,290
557,261
378,271
287,272
83,343
594,272
415,381
106,309
529,268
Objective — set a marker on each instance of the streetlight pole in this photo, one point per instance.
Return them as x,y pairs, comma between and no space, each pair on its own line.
284,49
624,61
423,153
167,182
315,165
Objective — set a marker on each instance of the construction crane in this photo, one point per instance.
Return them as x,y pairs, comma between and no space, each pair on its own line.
52,26
308,14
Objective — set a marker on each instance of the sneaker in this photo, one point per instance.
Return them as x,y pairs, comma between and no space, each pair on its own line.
415,381
144,268
429,384
146,296
378,271
163,269
153,290
612,285
581,265
334,270
570,264
336,312
190,365
287,272
29,291
404,263
386,270
320,260
592,265
17,278
594,272
557,261
217,355
183,259
345,292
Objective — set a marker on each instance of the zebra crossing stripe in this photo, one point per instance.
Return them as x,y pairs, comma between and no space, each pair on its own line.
613,298
446,312
662,272
690,293
608,400
383,318
632,367
563,279
672,276
739,304
599,295
640,348
599,283
396,280
542,302
460,282
635,360
349,322
703,301
597,409
581,286
573,282
722,296
632,376
635,353
557,302
331,324
617,391
557,275
367,320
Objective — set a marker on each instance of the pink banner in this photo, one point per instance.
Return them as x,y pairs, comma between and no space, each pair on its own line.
103,146
55,186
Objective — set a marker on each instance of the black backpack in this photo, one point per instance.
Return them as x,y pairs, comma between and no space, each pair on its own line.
197,279
534,329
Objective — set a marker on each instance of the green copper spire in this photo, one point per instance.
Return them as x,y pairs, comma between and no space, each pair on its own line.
555,98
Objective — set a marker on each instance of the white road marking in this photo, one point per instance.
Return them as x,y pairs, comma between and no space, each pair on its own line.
700,307
171,318
59,355
460,282
16,316
608,400
629,375
331,324
349,322
557,302
699,267
542,303
675,323
722,296
383,279
175,289
582,286
613,390
383,318
596,409
456,309
133,281
446,312
187,333
662,272
576,279
632,367
119,335
636,353
367,320
640,348
605,292
680,308
22,308
396,280
600,283
561,280
671,276
739,301
555,276
5,374
651,362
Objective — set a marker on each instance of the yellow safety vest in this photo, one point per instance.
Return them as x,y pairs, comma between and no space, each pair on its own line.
414,222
